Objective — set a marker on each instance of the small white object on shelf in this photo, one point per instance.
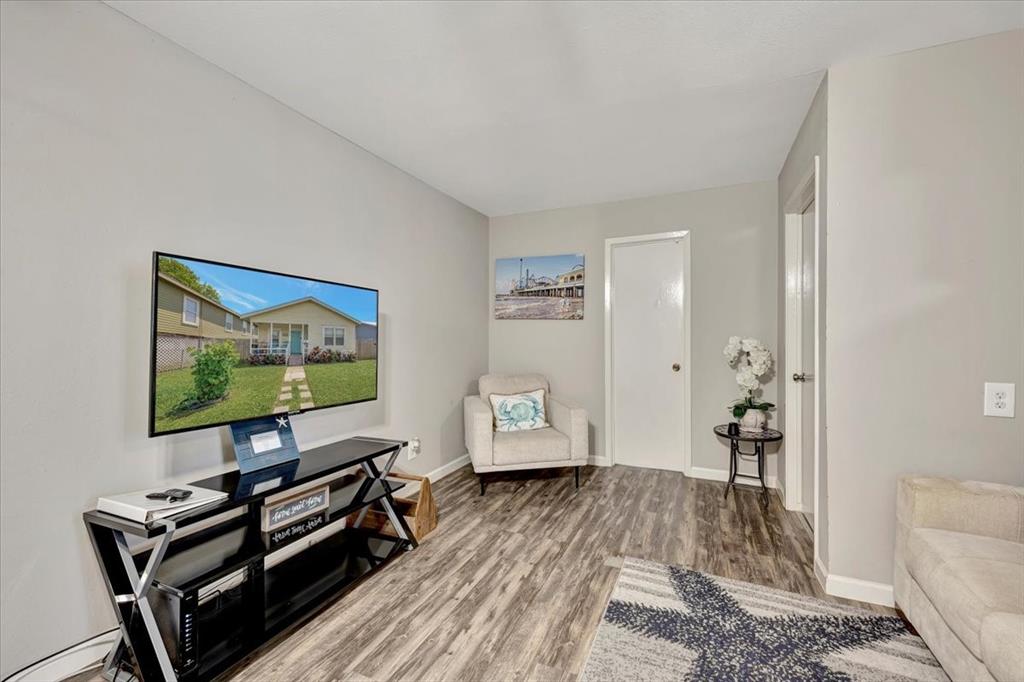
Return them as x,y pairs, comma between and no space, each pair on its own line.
137,507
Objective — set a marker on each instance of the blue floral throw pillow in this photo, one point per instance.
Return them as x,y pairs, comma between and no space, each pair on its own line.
520,412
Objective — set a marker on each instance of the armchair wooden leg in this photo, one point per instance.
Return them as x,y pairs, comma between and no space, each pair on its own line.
481,477
577,478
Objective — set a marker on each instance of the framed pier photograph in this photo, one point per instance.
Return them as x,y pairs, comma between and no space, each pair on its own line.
539,288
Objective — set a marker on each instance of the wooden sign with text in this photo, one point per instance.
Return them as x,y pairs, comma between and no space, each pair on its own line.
287,511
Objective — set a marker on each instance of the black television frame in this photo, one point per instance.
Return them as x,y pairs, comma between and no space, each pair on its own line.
152,345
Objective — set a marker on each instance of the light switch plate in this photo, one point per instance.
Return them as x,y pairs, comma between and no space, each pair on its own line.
999,400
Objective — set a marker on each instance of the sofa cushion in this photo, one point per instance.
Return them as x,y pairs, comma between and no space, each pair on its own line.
967,577
989,509
956,659
1002,645
524,447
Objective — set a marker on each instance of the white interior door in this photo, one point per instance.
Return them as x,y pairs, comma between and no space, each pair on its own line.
805,374
647,353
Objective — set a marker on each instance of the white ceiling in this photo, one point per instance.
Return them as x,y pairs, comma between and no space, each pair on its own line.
516,106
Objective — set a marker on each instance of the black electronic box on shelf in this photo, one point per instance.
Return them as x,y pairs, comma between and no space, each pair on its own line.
197,602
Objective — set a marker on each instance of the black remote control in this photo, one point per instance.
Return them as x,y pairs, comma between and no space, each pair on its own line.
171,495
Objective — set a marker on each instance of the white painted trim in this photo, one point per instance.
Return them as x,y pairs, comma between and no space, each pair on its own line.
860,590
804,192
820,572
449,468
609,406
599,461
72,661
710,474
793,354
807,191
184,310
819,378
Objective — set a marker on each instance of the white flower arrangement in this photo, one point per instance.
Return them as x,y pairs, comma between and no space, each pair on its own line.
751,361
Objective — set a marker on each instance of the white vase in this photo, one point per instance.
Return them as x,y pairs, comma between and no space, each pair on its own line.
753,420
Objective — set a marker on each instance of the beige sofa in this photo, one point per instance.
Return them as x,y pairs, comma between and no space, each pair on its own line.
959,575
563,444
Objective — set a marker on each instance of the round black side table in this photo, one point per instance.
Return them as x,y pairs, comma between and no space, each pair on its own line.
758,438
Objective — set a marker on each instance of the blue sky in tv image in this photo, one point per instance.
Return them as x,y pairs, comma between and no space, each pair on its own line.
248,290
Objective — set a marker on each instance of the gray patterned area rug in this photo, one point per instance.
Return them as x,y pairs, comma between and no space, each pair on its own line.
670,623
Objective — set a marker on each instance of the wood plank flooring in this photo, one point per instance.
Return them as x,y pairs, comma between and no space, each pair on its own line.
512,585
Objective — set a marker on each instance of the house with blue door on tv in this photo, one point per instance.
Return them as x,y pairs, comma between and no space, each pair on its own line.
295,327
187,319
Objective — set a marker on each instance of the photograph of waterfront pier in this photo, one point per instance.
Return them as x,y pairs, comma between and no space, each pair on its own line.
539,288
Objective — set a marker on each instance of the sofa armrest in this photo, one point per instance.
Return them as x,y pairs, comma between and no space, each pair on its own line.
571,420
988,509
479,431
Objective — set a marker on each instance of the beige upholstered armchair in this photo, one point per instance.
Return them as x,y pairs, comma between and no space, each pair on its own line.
563,444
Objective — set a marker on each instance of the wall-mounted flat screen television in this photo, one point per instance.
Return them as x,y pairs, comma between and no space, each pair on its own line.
232,343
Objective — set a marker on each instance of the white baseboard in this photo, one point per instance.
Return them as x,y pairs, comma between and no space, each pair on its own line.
723,475
435,475
820,572
460,462
457,464
445,469
72,661
860,590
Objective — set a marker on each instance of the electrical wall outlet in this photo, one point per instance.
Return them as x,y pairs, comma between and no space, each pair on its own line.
999,400
414,448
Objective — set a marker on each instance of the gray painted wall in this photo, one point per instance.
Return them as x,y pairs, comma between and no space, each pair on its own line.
811,141
116,142
734,253
925,280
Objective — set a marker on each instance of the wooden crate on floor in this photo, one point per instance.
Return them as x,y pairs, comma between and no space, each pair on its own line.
416,505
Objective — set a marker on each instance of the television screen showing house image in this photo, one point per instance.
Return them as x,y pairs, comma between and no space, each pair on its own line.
232,343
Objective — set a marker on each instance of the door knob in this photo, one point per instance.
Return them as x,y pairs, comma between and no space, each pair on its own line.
801,376
675,366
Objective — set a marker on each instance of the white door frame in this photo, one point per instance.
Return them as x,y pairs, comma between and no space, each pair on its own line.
609,287
806,192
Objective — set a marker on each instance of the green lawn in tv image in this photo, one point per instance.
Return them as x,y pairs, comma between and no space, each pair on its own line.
342,382
254,392
232,344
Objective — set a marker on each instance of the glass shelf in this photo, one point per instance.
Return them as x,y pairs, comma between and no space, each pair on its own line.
326,568
314,464
219,550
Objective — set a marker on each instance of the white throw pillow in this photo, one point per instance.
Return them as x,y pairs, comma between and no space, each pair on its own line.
519,412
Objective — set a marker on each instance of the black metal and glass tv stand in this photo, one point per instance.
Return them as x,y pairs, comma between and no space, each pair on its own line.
207,587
